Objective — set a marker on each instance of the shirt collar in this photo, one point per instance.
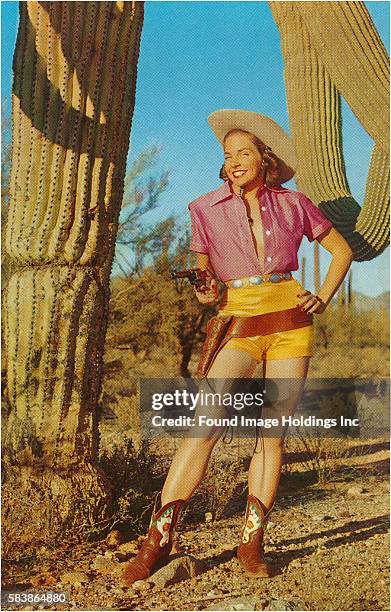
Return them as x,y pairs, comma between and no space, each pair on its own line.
224,192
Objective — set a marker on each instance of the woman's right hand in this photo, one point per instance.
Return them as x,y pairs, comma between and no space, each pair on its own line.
210,295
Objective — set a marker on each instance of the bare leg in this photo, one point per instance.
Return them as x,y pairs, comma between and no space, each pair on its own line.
191,459
265,467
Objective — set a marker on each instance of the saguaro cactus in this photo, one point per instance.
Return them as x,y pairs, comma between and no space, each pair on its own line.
342,295
329,49
73,95
303,270
350,289
316,267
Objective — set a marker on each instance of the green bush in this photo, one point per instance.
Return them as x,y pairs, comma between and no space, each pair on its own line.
136,478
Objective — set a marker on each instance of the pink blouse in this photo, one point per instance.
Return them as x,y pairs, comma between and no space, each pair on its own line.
220,228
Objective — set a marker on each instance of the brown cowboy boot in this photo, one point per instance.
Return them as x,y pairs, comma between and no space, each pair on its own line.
250,550
157,545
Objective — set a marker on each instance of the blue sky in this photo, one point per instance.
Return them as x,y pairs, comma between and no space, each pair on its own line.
190,65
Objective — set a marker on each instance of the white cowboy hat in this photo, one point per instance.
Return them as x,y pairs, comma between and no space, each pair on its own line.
264,128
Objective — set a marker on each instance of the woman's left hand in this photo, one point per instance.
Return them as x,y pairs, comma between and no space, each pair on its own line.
311,303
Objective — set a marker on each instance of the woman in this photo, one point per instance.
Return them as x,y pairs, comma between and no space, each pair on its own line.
247,233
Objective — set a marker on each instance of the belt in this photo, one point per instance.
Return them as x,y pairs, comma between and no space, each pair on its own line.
274,277
221,328
270,323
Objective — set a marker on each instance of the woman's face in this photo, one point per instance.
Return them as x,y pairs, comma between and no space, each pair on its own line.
242,160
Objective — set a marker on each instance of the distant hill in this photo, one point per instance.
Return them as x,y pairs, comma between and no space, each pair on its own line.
366,303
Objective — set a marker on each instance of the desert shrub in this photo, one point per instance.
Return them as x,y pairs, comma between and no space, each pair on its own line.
350,362
320,455
155,312
217,488
321,450
348,326
136,478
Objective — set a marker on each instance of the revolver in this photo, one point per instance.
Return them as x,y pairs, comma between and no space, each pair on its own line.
196,276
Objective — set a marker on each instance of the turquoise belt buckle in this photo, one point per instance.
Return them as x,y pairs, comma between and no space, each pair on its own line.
287,275
255,280
275,278
237,283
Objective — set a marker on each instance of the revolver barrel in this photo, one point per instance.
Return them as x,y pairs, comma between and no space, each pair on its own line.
196,276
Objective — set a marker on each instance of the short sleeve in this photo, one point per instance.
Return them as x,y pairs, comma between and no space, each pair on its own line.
315,222
199,240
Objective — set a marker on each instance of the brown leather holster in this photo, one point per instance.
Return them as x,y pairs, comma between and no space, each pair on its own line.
221,329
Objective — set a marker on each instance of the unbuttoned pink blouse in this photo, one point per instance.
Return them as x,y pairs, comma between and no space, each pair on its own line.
221,229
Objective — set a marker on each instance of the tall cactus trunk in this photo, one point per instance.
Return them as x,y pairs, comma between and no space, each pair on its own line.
75,69
350,290
342,296
303,270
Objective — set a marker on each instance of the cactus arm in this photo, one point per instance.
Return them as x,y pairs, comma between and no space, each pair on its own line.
333,48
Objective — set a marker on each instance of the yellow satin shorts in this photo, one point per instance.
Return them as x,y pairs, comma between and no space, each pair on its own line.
260,299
